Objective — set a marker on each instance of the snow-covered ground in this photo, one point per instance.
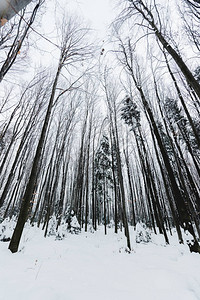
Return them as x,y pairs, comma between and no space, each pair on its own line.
93,266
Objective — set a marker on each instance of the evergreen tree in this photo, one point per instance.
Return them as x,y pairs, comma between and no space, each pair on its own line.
130,114
103,177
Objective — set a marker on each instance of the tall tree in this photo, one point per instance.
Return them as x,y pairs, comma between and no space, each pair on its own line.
73,49
150,16
103,177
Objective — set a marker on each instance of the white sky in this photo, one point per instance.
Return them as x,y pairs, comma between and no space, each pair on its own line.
97,14
100,13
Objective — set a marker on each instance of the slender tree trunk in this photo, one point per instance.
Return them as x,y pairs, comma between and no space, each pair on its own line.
14,244
145,12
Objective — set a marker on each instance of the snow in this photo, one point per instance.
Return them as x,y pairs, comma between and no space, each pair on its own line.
95,266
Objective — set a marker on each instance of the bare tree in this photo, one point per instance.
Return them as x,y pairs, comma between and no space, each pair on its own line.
20,34
129,61
150,18
73,50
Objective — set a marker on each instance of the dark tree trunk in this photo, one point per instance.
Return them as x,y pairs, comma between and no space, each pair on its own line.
14,243
145,12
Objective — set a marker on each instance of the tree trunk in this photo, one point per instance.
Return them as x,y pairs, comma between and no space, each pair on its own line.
15,240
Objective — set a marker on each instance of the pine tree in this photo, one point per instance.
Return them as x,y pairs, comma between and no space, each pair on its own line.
130,114
103,177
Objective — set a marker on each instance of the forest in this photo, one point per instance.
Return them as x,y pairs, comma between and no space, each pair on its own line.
101,133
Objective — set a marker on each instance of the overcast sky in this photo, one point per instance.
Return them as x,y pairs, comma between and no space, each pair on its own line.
99,13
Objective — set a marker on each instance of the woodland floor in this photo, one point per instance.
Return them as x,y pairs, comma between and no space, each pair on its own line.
94,266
